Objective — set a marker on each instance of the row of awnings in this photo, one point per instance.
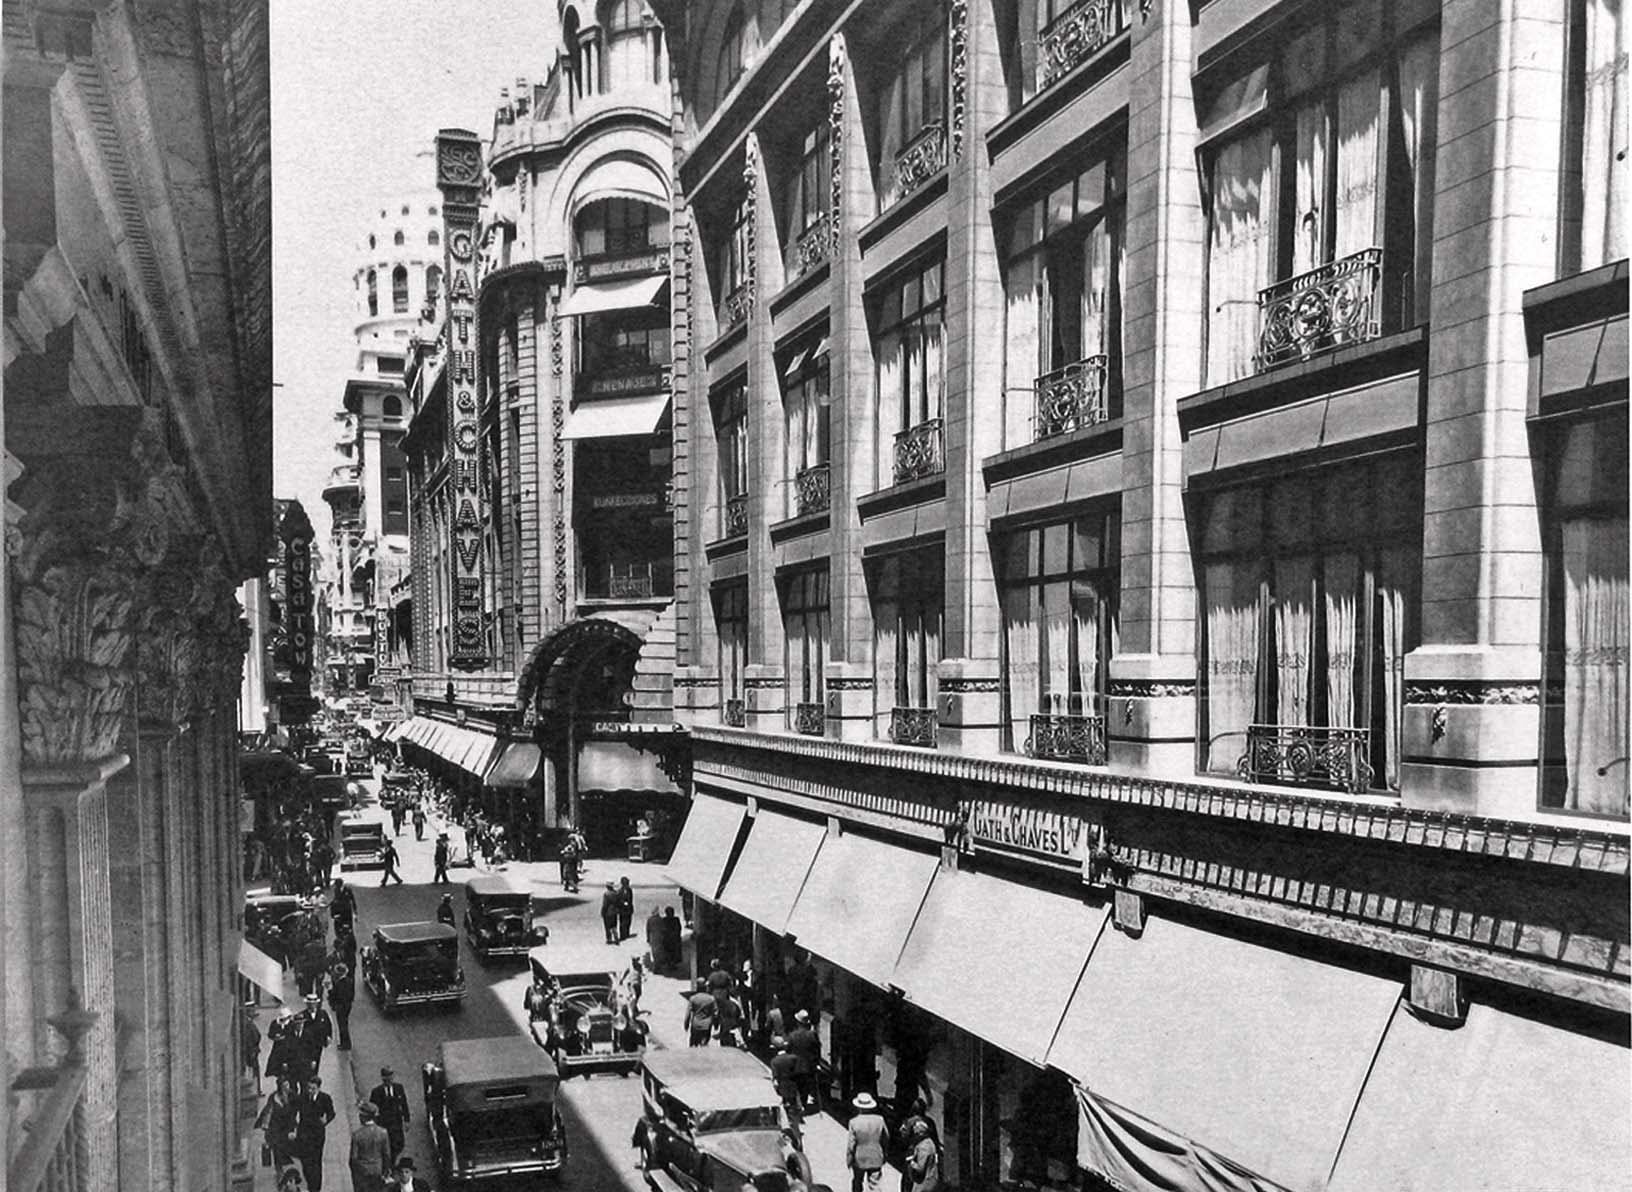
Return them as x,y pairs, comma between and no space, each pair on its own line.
1203,1063
497,763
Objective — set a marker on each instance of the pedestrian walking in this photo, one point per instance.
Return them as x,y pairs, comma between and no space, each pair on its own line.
785,1079
310,965
276,1121
445,912
370,1157
342,907
867,1140
388,854
626,908
719,979
728,1016
314,1112
654,938
249,1043
776,1026
391,1100
923,1167
342,993
609,912
311,1031
700,1010
671,939
283,1059
419,821
804,1042
439,857
403,1178
396,816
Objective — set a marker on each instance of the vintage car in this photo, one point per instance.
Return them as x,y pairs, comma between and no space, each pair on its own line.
584,1019
712,1122
359,756
490,1107
498,916
409,964
362,842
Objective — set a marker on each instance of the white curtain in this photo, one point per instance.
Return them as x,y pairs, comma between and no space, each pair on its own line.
1419,114
1240,242
1020,353
1096,288
889,141
1309,190
1596,642
1342,598
1020,644
934,366
888,407
886,630
1232,660
1358,106
1604,137
1056,647
1294,638
1393,580
1085,612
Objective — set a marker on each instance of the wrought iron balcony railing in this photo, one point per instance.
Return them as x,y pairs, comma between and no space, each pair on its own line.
1067,738
1072,397
1073,36
736,306
810,719
919,451
736,516
736,713
913,726
812,246
1302,755
813,488
629,586
1325,308
921,159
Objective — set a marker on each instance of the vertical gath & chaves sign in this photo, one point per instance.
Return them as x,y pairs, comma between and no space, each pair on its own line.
459,178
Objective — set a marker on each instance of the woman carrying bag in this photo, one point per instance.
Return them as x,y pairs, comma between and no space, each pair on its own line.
277,1119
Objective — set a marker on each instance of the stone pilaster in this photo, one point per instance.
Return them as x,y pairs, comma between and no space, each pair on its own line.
1151,721
850,699
764,691
696,696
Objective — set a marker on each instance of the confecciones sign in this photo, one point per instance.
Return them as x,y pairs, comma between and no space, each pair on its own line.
459,178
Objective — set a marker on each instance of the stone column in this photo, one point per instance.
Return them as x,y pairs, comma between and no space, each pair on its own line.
969,713
1151,720
850,648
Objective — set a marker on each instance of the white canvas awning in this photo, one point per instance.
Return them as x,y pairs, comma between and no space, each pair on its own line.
629,294
609,417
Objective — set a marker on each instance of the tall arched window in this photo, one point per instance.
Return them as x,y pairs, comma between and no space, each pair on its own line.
433,238
399,239
373,292
399,289
624,32
569,40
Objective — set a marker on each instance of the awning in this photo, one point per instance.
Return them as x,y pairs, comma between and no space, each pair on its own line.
854,880
466,748
516,767
260,970
1500,1102
768,876
595,297
699,859
1255,1054
960,960
610,417
393,731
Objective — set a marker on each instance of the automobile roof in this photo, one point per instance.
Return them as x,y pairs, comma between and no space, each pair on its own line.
354,820
713,1078
566,959
490,885
750,1152
480,1061
415,933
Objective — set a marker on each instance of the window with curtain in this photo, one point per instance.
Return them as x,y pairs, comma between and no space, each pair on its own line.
1302,150
914,100
1308,606
806,405
805,632
1595,193
731,434
628,341
1585,767
619,225
1057,585
731,624
908,595
1063,268
909,350
373,292
810,194
734,249
399,289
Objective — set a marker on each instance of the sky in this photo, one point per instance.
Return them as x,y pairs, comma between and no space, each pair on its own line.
358,87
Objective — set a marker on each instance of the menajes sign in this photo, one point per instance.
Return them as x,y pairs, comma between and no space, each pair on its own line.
459,178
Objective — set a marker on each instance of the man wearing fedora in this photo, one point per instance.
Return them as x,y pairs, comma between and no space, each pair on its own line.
403,1178
391,1100
370,1158
864,1149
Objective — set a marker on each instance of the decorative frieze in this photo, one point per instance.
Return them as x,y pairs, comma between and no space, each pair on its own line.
1152,689
1472,691
958,62
558,459
967,684
835,130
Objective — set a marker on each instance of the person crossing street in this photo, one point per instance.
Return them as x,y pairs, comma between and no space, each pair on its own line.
439,857
388,854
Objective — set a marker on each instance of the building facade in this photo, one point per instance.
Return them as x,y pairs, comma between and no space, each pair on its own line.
1149,501
137,429
565,332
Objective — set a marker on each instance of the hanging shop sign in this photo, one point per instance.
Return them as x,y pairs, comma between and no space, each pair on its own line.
295,535
1061,836
459,178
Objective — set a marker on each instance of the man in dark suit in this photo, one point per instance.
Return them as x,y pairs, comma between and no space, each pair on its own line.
391,1099
806,1045
342,992
313,1113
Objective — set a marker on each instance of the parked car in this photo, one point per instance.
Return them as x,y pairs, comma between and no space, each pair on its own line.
359,756
362,842
413,963
712,1122
585,1021
499,916
274,923
490,1105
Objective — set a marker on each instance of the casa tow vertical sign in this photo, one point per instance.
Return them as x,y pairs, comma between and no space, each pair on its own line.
459,178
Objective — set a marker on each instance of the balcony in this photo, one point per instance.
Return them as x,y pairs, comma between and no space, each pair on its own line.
913,726
736,307
810,719
634,261
53,1154
812,246
1325,308
735,714
1071,398
1302,755
736,516
626,379
1071,38
919,451
1067,739
813,489
629,581
923,157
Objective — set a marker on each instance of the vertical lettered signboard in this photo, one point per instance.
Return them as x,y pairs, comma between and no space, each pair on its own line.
459,178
